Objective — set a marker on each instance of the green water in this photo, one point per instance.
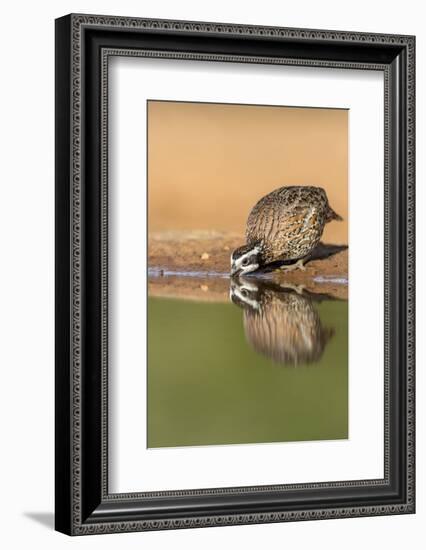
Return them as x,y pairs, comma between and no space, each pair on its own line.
210,381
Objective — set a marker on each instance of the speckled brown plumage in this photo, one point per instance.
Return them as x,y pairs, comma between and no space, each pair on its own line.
289,222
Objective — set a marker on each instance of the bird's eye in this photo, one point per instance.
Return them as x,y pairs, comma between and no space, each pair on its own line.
245,261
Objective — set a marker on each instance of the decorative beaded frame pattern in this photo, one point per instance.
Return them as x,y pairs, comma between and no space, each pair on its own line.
78,22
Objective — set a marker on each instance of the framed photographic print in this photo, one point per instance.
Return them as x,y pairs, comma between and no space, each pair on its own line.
234,274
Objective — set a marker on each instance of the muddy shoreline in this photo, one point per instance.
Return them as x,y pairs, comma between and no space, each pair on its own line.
195,265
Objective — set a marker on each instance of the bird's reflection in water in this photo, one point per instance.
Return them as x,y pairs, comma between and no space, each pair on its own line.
281,322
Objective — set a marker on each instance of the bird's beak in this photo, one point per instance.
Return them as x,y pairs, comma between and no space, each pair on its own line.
235,271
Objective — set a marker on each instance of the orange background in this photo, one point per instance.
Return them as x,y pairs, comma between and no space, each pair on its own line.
208,164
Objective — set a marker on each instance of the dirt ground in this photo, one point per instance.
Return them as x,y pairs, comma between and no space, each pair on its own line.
195,265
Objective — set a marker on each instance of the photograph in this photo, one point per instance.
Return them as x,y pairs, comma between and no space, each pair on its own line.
210,299
248,252
234,273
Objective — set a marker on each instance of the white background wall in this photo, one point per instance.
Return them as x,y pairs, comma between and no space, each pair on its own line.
26,289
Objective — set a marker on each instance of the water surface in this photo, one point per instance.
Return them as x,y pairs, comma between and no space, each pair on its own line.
271,365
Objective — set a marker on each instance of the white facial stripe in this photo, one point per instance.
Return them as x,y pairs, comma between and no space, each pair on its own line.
239,261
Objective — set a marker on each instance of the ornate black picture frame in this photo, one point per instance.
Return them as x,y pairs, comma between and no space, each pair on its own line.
84,44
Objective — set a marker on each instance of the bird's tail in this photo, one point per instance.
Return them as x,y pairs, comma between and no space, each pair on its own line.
332,215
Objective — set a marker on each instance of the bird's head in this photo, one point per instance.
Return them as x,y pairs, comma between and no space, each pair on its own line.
245,259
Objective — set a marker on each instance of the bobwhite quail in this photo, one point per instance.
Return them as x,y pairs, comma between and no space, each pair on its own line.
284,225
